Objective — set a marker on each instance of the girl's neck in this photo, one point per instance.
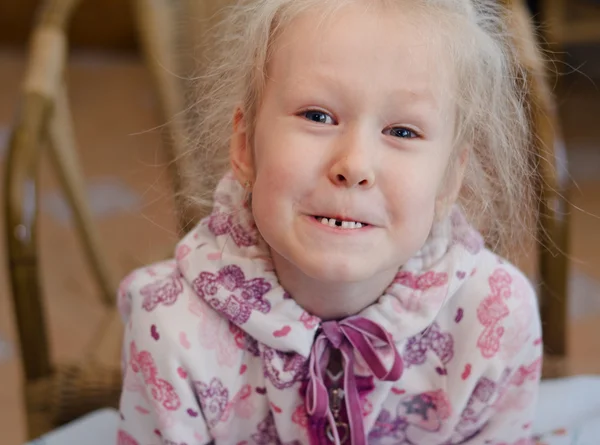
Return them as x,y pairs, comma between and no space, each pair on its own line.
330,300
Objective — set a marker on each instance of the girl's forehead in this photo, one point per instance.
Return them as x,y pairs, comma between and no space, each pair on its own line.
353,45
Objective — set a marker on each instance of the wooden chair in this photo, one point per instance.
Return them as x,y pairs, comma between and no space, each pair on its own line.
570,22
161,41
54,393
552,227
171,36
57,393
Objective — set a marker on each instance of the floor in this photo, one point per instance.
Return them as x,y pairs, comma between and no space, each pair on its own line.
118,129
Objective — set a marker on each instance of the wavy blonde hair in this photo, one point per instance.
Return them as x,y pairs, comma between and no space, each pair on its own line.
497,191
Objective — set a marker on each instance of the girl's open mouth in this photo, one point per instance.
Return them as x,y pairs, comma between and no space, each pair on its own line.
338,223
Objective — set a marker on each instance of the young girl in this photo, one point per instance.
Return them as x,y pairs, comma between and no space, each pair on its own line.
338,292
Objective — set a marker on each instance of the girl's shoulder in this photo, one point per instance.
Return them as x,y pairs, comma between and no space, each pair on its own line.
161,310
497,311
149,288
494,277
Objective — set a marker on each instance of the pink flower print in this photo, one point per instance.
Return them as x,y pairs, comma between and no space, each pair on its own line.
389,430
510,398
514,401
244,341
491,311
409,302
430,287
415,351
513,339
283,369
300,416
123,438
163,291
480,400
484,390
252,346
441,343
527,373
223,224
309,321
241,405
235,337
239,336
422,282
215,333
244,295
130,383
161,390
421,411
522,317
198,307
442,402
182,251
267,433
214,398
483,398
164,418
415,414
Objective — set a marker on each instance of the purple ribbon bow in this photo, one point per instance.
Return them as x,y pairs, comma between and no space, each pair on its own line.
353,333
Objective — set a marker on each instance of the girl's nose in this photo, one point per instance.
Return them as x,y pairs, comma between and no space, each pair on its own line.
353,166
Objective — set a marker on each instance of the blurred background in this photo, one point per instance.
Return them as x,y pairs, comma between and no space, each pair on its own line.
124,152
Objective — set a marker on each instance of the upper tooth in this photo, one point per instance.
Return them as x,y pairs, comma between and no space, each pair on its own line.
332,222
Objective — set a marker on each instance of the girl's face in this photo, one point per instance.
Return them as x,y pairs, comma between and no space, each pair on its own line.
355,128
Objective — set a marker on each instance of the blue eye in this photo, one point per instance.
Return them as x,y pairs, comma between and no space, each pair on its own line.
402,132
318,116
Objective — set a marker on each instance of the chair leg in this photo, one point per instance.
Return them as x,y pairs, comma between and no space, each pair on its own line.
549,162
63,153
553,230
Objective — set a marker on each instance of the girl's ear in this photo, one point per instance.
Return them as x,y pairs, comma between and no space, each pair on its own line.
452,184
240,151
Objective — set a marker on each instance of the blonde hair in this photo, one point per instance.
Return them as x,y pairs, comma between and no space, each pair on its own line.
497,194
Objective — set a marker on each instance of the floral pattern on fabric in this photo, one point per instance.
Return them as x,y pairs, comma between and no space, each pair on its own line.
244,295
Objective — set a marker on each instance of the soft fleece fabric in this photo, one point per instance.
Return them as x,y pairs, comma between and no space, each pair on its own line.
216,351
